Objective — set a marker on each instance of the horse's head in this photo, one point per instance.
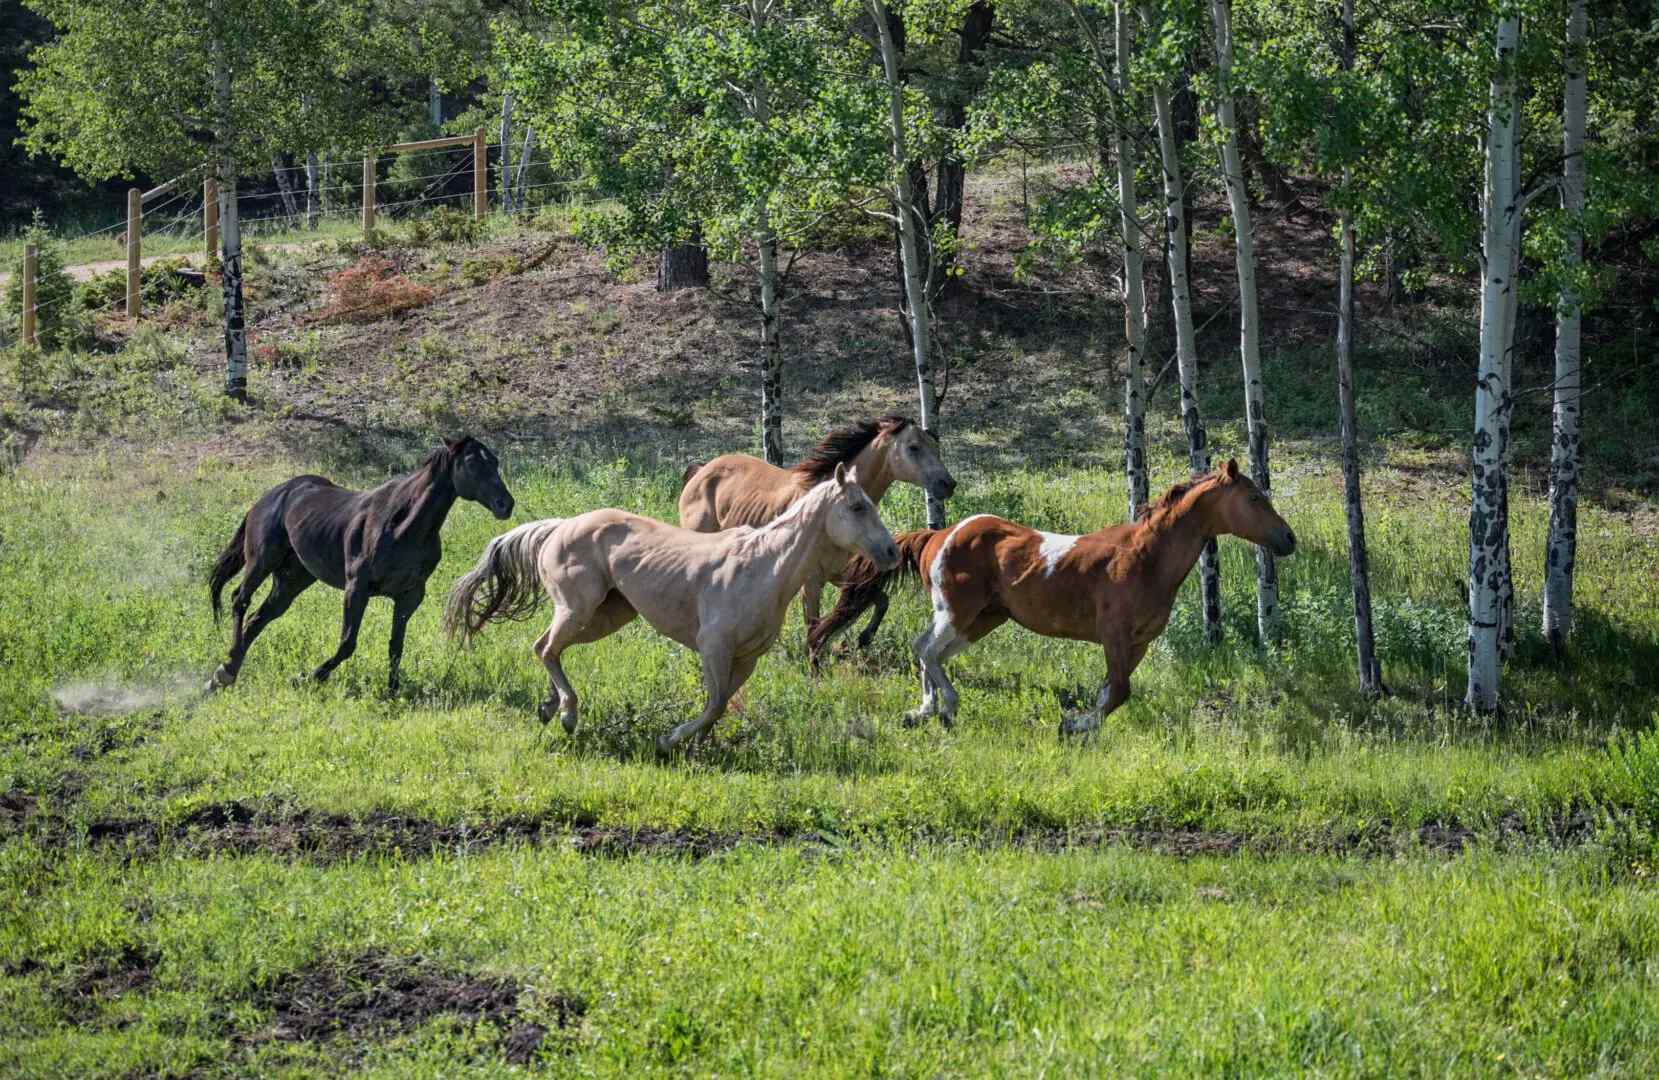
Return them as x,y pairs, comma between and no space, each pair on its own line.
1243,509
913,457
853,524
476,474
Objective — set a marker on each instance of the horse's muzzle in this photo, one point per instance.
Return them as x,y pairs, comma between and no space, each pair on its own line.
942,489
502,507
1285,543
887,558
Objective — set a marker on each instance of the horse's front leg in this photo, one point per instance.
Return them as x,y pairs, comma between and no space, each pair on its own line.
720,671
1121,662
404,605
357,602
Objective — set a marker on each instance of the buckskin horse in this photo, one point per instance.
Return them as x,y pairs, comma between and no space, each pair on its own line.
723,595
1115,586
373,543
736,489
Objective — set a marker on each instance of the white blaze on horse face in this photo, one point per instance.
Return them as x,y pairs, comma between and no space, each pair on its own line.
1053,549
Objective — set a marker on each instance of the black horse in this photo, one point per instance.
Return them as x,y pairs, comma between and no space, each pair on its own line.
375,543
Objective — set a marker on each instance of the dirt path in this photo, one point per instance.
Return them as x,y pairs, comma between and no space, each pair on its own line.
87,271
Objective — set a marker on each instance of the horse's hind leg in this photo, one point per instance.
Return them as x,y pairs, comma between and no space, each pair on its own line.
291,578
612,614
867,636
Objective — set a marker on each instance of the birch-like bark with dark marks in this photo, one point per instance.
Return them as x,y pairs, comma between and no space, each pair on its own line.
1359,563
912,225
285,187
313,189
1487,524
771,349
1561,548
1238,197
1186,341
1134,286
507,151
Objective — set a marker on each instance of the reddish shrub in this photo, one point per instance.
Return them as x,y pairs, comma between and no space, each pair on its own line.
370,289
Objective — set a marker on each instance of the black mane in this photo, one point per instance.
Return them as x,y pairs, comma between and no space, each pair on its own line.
844,444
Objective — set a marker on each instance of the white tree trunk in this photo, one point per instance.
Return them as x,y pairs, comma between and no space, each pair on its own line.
507,152
286,188
1134,287
1186,339
1238,196
524,165
1487,526
312,189
1359,563
1561,550
435,104
910,243
230,269
771,349
230,232
1506,575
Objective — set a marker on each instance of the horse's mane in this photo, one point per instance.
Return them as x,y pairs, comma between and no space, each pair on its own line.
1154,516
445,450
842,445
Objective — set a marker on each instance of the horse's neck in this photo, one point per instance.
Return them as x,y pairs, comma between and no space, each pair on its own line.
796,541
430,495
875,470
1175,549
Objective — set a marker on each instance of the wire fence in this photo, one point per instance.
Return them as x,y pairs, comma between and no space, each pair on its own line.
181,220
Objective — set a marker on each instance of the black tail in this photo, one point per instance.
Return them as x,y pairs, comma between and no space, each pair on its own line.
862,585
228,565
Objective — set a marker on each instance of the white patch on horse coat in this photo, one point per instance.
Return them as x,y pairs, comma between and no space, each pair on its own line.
939,604
1055,546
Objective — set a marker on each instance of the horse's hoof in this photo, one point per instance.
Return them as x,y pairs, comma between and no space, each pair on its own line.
914,717
665,748
947,721
568,722
544,711
220,679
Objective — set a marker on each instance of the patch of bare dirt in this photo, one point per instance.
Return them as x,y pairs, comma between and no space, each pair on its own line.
377,995
236,828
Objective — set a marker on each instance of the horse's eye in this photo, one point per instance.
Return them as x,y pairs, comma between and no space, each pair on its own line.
859,509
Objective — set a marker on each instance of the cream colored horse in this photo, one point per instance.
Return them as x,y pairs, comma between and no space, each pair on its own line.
722,594
736,489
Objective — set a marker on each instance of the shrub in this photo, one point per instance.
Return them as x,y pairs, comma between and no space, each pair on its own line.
59,320
452,225
370,289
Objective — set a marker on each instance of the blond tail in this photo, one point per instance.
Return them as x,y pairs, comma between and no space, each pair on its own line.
504,585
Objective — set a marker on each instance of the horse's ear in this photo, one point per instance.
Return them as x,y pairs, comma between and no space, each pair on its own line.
840,474
1230,470
852,474
454,444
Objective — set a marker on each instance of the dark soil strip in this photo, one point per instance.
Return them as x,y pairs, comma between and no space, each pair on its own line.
239,828
379,995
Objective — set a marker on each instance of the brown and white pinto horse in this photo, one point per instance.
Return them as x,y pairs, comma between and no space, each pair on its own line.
736,489
1115,586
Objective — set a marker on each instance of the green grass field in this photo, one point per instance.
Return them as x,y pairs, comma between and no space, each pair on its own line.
1253,870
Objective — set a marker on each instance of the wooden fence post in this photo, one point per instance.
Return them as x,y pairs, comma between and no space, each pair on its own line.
30,269
368,195
210,218
135,229
480,176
